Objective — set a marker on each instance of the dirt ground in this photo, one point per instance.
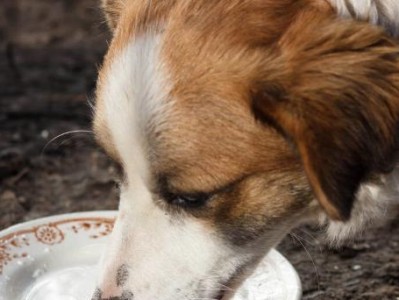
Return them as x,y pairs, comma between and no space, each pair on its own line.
49,54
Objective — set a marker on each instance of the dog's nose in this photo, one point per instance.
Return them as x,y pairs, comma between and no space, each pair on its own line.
105,295
113,286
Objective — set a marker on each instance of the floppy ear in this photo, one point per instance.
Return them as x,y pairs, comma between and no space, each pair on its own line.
335,96
112,10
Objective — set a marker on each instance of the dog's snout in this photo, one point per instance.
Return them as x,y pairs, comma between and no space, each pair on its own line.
114,287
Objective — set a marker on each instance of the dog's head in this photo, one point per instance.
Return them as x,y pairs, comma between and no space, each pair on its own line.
233,122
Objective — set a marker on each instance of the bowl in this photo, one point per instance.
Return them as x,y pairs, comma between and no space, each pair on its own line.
55,258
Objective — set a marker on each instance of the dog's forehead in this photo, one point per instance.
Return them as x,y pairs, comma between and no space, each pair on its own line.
205,135
146,71
166,101
199,131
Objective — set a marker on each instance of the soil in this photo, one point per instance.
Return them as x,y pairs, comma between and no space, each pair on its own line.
49,54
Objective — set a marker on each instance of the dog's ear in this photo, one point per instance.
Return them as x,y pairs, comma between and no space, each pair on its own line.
112,10
334,93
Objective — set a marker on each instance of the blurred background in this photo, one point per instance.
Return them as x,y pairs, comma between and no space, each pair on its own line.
50,51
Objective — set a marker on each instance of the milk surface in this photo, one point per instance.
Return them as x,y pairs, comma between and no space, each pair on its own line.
75,283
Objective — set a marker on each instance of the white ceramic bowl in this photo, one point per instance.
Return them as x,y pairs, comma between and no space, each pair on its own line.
55,258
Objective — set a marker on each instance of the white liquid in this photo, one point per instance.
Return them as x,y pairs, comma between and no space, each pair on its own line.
75,283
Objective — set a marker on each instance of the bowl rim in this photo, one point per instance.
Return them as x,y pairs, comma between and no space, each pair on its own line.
74,216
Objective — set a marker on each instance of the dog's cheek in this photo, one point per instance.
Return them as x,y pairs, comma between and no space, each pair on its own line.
262,210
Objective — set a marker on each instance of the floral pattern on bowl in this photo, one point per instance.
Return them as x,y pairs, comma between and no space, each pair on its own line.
15,245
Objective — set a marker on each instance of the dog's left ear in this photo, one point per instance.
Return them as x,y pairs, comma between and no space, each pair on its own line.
333,92
112,10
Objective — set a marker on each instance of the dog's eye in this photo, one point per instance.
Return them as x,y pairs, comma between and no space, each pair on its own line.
188,200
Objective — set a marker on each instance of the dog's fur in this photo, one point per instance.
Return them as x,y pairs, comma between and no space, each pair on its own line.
235,121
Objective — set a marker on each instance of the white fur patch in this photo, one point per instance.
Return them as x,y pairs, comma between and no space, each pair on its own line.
372,208
166,257
381,12
135,99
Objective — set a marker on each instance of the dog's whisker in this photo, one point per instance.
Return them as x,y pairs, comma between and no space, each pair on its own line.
305,240
215,278
62,135
308,234
293,235
315,240
91,103
225,287
64,142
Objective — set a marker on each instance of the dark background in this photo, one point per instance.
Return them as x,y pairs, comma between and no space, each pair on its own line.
49,54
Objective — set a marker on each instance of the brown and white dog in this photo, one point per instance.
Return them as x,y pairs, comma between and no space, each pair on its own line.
235,121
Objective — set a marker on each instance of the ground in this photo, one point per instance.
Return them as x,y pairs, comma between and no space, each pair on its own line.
49,54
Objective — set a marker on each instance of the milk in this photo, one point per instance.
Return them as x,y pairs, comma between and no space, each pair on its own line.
74,283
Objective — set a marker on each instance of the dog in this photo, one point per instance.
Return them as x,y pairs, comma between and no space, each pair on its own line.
235,121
